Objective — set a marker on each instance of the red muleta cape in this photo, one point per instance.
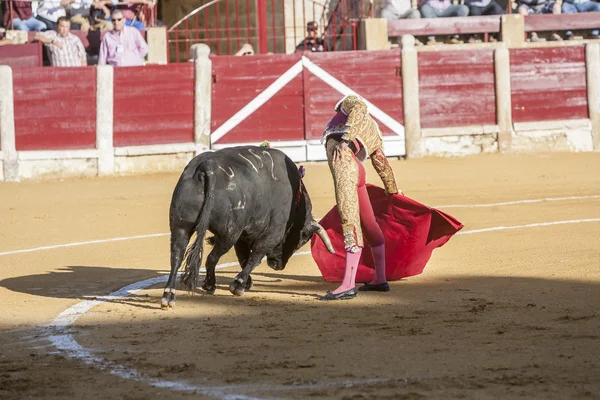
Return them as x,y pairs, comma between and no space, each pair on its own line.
411,230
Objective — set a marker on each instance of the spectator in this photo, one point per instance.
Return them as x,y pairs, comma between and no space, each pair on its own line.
100,14
245,50
311,42
124,46
578,6
64,48
22,17
484,7
133,14
79,12
399,9
49,11
442,9
527,7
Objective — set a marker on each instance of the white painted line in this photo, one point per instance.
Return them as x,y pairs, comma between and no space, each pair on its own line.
510,203
385,119
503,228
58,246
6,253
57,332
257,102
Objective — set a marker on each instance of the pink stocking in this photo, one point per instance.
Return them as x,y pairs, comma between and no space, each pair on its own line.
379,259
348,283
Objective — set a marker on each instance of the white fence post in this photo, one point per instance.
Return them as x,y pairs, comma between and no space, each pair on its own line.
7,125
202,96
104,119
592,61
503,98
410,96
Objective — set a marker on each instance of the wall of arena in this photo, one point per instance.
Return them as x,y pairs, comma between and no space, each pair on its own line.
448,102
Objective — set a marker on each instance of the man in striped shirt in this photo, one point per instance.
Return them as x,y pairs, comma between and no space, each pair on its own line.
64,48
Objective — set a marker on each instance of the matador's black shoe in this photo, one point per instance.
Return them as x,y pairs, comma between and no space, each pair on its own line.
380,287
347,295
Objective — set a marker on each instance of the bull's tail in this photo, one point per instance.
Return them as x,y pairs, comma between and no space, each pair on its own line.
193,254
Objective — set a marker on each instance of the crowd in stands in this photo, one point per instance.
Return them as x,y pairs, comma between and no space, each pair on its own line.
119,23
404,9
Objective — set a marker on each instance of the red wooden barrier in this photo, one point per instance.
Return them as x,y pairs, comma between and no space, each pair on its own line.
561,22
373,75
239,80
444,26
55,108
22,55
548,83
456,88
154,105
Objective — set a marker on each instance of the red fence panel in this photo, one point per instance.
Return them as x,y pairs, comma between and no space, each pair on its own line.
154,105
456,88
22,55
244,111
548,83
374,75
55,108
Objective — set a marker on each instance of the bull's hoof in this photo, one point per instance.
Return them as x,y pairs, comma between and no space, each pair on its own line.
248,283
236,288
167,301
209,289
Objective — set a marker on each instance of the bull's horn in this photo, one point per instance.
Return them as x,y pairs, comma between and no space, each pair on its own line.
325,238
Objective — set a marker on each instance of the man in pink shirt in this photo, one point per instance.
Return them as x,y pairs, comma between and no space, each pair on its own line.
124,46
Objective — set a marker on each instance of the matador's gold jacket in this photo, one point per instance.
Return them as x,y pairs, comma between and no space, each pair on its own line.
354,124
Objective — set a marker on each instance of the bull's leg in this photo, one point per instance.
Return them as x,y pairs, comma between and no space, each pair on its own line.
242,250
179,241
222,246
238,285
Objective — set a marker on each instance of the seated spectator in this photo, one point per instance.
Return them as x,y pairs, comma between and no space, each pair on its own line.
49,11
22,17
64,48
79,13
100,14
527,7
245,50
133,15
124,46
442,9
399,9
579,6
311,42
484,7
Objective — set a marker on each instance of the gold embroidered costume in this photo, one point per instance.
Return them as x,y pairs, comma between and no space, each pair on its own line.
353,124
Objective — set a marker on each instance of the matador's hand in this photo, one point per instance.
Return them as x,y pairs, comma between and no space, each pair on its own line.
337,150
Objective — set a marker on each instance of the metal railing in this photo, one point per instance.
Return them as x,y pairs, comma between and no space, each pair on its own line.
269,26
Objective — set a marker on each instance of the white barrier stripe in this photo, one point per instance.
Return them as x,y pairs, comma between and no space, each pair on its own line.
510,203
385,119
503,228
257,102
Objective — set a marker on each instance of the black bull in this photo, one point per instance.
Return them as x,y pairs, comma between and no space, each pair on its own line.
251,198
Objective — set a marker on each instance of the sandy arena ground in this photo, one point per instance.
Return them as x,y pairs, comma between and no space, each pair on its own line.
501,314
